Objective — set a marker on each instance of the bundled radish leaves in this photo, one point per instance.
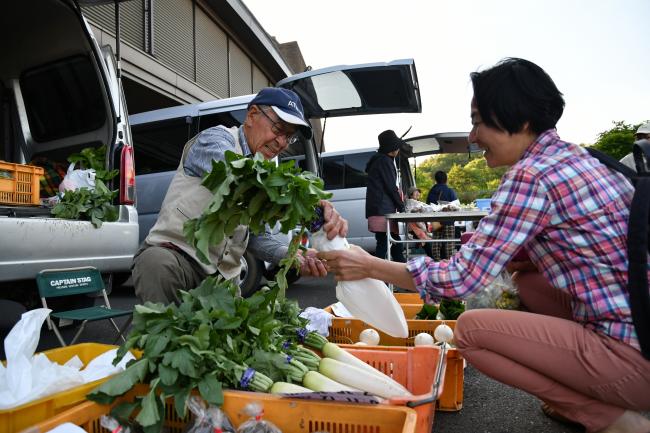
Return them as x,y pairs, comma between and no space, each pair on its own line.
255,192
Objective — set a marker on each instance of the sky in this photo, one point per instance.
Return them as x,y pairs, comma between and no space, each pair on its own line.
596,51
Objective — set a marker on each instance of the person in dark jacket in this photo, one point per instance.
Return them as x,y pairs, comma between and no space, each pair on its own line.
383,194
440,192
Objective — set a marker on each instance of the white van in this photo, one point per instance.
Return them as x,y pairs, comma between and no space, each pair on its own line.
59,93
159,135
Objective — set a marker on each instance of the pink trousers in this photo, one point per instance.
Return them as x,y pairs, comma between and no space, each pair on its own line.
584,376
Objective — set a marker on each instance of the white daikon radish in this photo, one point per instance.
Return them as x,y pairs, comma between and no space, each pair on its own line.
443,333
423,339
361,379
287,388
318,382
369,336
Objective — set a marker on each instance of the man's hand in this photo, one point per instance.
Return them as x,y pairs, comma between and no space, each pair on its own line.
335,224
310,265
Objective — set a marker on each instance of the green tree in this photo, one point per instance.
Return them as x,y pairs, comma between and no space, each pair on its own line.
470,177
617,141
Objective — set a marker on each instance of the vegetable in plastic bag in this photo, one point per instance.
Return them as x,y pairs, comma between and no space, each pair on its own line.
113,425
255,424
501,293
208,418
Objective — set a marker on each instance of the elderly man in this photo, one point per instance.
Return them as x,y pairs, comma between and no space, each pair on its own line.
165,262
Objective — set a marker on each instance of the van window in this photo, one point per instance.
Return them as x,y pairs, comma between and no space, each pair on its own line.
333,172
159,145
63,99
227,119
355,169
345,171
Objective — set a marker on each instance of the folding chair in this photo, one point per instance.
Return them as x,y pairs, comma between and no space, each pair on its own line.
75,281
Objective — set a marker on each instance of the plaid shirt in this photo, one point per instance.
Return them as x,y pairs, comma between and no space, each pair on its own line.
569,212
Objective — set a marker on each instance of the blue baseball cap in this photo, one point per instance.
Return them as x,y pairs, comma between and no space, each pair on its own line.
286,104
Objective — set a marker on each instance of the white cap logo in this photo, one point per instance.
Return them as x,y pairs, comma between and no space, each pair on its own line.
293,104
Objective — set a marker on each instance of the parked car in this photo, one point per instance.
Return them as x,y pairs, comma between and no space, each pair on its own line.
59,94
160,135
344,174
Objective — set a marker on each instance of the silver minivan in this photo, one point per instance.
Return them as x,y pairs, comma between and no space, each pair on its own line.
159,135
60,93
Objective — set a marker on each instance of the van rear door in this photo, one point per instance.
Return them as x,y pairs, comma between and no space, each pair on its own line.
348,90
442,142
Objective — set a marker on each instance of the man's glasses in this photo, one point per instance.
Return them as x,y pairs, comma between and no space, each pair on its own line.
276,128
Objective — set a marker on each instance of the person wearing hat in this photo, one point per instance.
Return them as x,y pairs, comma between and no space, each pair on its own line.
166,262
643,133
383,194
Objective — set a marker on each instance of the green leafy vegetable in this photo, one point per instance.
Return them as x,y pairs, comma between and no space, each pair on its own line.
255,192
451,309
428,312
212,340
83,204
94,158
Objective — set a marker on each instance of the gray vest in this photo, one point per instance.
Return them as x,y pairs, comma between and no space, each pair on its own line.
186,198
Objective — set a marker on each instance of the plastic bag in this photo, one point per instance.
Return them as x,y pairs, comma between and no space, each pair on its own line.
207,418
500,293
77,178
319,320
113,425
255,424
368,299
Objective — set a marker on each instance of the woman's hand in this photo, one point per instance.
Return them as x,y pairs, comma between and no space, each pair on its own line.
335,224
310,265
348,265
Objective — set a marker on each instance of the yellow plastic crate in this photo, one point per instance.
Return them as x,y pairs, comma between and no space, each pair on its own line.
290,415
20,417
20,184
345,332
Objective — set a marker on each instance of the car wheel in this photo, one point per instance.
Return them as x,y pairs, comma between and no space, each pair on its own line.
251,274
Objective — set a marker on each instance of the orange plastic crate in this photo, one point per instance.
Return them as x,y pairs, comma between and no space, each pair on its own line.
345,332
408,298
290,415
414,368
19,417
22,187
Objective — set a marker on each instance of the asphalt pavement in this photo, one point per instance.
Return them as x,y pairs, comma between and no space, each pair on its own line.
488,406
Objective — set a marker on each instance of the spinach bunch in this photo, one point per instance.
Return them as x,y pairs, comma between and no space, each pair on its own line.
213,339
90,205
95,158
255,192
83,204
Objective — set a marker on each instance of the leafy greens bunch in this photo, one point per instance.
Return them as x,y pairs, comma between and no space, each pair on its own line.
83,204
213,339
255,192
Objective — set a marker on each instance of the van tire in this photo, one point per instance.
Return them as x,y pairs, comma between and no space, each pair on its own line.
251,274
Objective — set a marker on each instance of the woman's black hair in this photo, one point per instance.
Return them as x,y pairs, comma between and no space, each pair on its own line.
516,91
